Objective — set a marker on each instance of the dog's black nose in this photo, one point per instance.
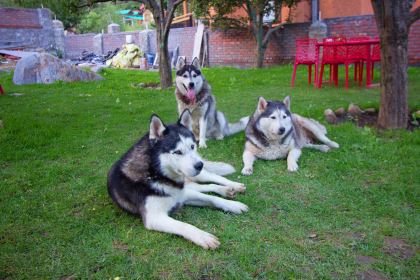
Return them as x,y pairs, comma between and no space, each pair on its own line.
191,85
282,130
199,165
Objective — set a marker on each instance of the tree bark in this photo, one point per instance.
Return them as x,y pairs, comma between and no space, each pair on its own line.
163,19
261,47
392,19
165,70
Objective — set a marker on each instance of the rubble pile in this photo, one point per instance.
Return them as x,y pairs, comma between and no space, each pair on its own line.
91,58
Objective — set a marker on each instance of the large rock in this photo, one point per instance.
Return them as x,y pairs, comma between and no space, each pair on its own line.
43,68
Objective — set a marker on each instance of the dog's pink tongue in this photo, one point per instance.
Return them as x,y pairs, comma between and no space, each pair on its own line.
191,95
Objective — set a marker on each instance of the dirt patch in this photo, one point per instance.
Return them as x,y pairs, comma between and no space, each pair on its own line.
365,259
70,277
362,118
371,275
120,245
146,85
359,236
398,248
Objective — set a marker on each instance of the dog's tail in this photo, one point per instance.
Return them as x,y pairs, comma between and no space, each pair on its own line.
231,128
219,168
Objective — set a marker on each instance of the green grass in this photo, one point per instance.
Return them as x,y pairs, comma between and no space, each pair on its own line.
59,141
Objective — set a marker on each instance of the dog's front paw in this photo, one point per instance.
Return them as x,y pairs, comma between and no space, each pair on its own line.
235,207
247,171
205,240
229,192
324,148
292,166
238,187
202,144
333,144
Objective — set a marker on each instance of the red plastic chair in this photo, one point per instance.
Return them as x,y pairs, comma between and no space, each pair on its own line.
305,54
1,90
358,54
333,55
375,57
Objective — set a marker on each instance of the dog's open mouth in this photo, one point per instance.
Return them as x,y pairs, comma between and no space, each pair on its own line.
190,94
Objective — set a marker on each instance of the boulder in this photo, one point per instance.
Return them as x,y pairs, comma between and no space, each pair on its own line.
330,116
340,112
43,68
354,110
370,111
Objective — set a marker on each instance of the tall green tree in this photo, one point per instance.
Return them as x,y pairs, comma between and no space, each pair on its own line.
163,14
256,11
393,19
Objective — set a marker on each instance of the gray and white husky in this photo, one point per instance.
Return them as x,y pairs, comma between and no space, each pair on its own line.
193,92
160,173
273,132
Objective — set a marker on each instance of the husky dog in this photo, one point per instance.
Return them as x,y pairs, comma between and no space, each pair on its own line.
159,174
274,132
194,93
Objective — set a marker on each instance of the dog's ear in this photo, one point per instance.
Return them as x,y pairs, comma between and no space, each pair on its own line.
157,127
195,63
185,119
262,104
180,63
286,102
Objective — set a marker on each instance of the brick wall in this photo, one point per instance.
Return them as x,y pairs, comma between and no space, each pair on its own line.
27,28
414,43
116,40
76,44
237,47
19,18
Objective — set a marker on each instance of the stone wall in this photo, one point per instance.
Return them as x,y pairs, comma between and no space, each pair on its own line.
28,29
237,47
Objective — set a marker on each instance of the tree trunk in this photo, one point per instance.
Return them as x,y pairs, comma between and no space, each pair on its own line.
391,19
260,54
393,111
165,70
259,35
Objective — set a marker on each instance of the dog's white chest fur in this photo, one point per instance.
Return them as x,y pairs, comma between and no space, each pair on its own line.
275,151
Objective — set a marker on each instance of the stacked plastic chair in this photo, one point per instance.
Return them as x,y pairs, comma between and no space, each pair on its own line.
375,57
305,55
333,54
358,55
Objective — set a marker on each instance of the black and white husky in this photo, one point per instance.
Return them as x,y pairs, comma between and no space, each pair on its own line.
194,93
273,132
159,174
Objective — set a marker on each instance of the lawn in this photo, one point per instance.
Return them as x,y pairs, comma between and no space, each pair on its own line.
351,211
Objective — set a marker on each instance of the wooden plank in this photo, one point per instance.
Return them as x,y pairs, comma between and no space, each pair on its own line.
198,41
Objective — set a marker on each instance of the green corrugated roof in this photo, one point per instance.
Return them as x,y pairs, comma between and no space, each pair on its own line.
123,12
135,17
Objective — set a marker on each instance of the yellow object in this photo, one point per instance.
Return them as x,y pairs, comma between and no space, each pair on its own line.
129,56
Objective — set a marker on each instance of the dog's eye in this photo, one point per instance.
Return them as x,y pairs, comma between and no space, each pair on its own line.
284,117
177,152
273,117
194,76
185,76
192,147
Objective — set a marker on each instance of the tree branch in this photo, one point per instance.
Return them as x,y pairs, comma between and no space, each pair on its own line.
89,3
152,5
271,31
170,14
413,16
252,16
